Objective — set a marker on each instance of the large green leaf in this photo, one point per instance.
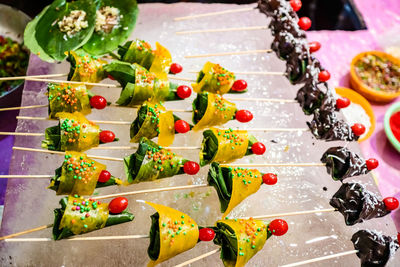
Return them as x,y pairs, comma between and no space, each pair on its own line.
48,35
30,39
101,42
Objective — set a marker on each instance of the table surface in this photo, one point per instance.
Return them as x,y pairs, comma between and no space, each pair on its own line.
29,204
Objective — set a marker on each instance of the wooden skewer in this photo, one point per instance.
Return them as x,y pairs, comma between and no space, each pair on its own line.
135,147
28,176
215,13
93,238
277,129
230,53
63,153
74,82
350,252
22,134
33,76
255,165
26,231
260,99
252,72
251,28
292,213
94,121
205,255
181,79
25,107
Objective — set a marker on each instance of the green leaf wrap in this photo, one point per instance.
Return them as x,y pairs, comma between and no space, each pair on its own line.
140,166
154,248
220,178
122,72
48,35
85,68
102,41
65,232
137,51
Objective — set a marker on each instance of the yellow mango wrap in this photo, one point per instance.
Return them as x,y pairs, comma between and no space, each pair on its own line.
158,122
87,68
79,174
94,217
245,182
162,61
251,236
77,133
219,111
67,97
178,232
214,79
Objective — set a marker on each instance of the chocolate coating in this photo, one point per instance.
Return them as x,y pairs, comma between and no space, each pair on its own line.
374,249
313,96
357,204
325,125
274,8
341,163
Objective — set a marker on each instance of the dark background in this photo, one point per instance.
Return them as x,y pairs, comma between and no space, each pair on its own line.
325,14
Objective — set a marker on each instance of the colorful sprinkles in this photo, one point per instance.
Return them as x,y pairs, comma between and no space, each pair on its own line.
83,169
66,94
176,228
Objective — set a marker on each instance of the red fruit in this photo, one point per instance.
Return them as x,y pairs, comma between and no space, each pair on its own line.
206,234
258,148
398,237
243,115
183,91
372,163
304,23
323,76
358,129
314,46
342,102
278,227
191,167
110,77
175,68
239,85
107,136
391,203
182,126
118,205
296,5
104,176
270,178
98,102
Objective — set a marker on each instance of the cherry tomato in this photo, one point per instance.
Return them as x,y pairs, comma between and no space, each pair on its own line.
358,129
258,148
278,227
191,167
239,85
391,203
98,102
118,205
110,77
183,91
314,46
244,115
304,23
323,76
107,136
296,5
182,126
104,176
206,234
372,163
270,178
342,102
175,68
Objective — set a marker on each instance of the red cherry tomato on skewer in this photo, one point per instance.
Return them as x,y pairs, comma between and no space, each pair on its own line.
183,91
296,5
358,129
239,85
324,76
258,148
118,205
314,46
372,163
110,77
270,178
175,68
104,176
304,23
182,126
206,234
278,227
98,102
342,102
191,167
106,136
391,203
243,115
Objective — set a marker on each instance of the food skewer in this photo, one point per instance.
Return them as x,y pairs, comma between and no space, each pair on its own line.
33,77
248,28
229,11
221,54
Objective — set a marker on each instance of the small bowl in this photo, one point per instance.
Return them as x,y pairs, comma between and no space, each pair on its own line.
368,92
356,98
393,109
